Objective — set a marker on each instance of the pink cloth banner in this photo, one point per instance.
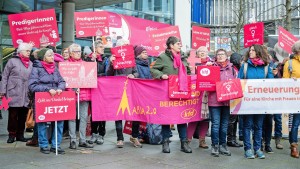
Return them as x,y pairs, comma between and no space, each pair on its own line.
120,98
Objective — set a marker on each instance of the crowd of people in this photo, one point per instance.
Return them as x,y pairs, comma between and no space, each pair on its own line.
30,71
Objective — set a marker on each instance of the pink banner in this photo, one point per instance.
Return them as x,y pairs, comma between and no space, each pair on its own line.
253,34
285,39
121,98
132,29
159,38
57,108
79,74
200,37
207,76
124,57
38,27
91,24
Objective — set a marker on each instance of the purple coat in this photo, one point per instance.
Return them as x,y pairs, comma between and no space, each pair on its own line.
14,82
226,73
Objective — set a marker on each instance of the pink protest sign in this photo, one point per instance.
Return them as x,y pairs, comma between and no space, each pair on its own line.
91,24
159,38
285,39
79,74
57,108
253,34
200,37
121,98
124,57
207,76
38,27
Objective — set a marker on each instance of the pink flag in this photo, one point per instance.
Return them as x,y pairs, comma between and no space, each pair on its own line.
120,98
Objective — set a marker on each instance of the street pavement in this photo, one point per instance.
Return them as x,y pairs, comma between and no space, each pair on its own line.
19,156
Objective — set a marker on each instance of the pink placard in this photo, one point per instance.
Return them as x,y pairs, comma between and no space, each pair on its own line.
121,98
124,57
207,76
159,38
38,27
285,39
79,74
253,34
91,24
200,37
57,108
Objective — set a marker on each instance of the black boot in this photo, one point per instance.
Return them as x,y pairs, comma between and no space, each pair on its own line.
165,146
185,147
1,115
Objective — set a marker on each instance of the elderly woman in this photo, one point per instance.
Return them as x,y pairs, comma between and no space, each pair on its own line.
200,127
45,77
14,85
171,62
220,111
257,61
291,70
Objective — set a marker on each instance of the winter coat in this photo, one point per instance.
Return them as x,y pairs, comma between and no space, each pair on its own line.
110,71
143,69
295,69
41,81
14,83
164,65
226,73
255,72
236,59
101,65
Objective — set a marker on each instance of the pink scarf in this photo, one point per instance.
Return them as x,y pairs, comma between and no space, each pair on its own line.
205,60
223,64
99,57
24,60
49,67
182,75
257,61
74,60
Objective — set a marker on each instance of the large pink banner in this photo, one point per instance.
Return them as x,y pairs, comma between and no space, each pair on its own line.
38,27
121,98
133,29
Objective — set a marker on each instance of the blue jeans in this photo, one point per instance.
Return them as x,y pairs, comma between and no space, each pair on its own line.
278,125
166,131
219,124
267,129
241,125
42,134
254,122
119,130
293,135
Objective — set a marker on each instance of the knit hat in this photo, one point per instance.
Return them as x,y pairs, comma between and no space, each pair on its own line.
138,50
41,53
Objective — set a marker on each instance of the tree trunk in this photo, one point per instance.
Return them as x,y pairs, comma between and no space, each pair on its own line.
288,19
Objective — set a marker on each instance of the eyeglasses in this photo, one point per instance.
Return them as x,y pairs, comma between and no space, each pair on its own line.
221,54
26,50
76,51
100,46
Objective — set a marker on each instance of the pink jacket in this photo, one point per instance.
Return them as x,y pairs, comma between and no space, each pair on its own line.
228,72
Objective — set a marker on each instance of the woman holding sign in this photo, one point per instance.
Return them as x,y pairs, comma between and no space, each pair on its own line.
172,62
255,66
45,77
220,110
14,85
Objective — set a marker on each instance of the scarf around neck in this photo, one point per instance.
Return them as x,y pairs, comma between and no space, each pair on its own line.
257,61
74,60
24,60
49,67
182,75
205,60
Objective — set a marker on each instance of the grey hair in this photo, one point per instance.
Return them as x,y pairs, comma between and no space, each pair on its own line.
74,45
122,42
24,46
296,47
201,48
98,42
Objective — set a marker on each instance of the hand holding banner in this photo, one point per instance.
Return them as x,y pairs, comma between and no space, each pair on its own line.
253,34
124,57
174,92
